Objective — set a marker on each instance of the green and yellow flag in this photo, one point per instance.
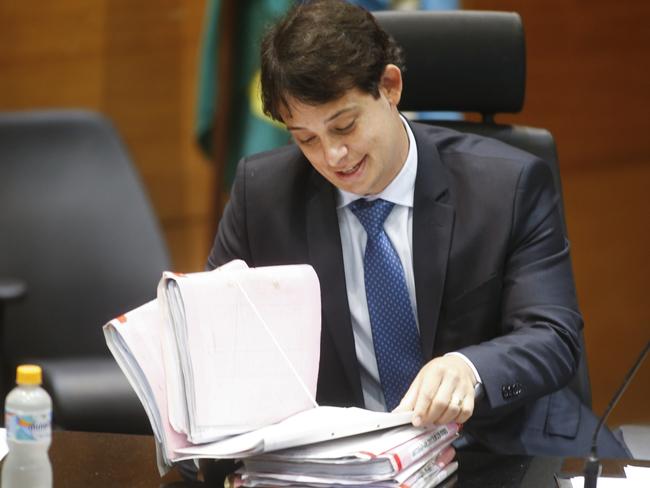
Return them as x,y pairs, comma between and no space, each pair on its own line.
249,130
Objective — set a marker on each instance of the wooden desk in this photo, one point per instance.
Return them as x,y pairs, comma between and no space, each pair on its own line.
86,459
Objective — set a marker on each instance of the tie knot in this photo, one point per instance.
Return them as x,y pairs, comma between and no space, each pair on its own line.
371,214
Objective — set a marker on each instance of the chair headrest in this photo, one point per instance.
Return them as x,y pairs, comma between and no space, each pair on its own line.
467,61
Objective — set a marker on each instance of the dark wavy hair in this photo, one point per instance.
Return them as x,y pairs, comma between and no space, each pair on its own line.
320,50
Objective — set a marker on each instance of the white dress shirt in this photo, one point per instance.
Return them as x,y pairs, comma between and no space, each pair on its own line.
399,228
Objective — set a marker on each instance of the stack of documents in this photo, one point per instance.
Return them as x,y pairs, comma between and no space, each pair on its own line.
225,364
399,457
216,345
308,427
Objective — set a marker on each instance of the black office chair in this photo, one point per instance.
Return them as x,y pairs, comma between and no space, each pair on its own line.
470,61
79,240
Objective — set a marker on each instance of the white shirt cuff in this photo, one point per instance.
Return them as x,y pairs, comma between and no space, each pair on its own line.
477,377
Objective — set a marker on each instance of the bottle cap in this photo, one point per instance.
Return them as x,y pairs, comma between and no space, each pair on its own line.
28,374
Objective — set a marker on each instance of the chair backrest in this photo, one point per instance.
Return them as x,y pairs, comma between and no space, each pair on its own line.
76,228
471,61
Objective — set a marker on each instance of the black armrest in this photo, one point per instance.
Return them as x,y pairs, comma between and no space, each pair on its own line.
92,394
11,289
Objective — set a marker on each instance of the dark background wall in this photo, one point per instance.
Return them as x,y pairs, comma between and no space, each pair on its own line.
136,61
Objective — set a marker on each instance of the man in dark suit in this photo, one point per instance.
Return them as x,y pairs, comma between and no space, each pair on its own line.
480,272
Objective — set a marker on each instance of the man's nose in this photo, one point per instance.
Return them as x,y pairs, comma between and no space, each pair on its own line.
335,153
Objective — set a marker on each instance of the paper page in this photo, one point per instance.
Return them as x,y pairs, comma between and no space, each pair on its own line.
135,341
175,387
435,470
173,315
634,480
639,474
444,473
347,449
324,423
232,363
359,447
314,425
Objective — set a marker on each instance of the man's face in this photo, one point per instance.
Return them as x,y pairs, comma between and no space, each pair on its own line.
357,142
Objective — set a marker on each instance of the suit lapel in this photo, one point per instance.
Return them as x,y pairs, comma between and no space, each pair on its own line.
326,255
433,220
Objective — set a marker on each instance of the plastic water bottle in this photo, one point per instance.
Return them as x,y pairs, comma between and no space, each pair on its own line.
28,420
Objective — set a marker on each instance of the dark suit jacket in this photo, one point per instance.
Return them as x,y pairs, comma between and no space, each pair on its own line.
492,274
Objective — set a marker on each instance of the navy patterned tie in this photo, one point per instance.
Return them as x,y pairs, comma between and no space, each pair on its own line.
394,331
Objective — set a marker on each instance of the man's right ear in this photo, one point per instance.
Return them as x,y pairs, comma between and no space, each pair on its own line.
390,83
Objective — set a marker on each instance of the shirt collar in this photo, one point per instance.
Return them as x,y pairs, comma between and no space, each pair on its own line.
400,190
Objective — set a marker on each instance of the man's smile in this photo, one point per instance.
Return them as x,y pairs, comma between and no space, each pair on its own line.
353,169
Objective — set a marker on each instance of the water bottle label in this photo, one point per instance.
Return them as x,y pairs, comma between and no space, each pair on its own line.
28,427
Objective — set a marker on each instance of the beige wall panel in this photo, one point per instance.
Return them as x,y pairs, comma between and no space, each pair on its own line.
607,211
136,62
588,84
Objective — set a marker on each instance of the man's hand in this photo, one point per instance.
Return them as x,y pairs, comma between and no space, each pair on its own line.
442,392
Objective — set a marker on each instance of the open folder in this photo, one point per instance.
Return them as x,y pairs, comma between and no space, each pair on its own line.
230,352
216,346
238,338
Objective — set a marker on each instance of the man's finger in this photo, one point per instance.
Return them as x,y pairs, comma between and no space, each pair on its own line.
408,402
429,385
441,406
446,456
461,405
453,410
467,409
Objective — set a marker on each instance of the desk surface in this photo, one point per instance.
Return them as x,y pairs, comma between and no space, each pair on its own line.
82,459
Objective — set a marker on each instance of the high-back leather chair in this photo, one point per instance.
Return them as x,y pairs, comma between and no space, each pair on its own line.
474,62
79,240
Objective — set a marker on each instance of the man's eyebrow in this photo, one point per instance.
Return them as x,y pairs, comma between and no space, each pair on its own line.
329,119
340,112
